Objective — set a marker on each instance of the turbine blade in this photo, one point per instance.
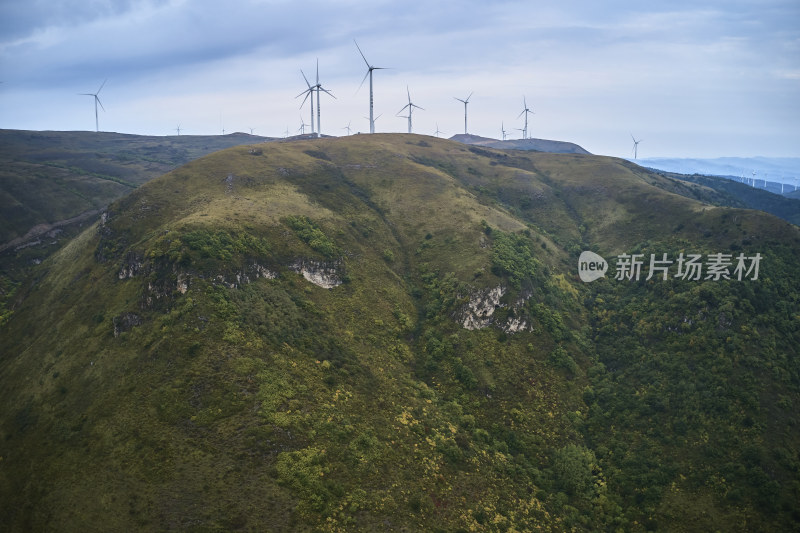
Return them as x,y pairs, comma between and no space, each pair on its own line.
326,91
363,80
101,86
304,77
362,55
99,102
470,96
304,99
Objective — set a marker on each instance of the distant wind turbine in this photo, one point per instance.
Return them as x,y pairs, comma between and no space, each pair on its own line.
370,68
178,129
96,102
635,146
251,130
525,112
503,129
347,128
302,128
465,102
410,107
437,130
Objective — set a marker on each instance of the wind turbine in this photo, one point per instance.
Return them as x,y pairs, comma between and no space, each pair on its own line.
503,129
96,101
178,129
347,128
635,146
319,88
302,128
370,68
525,112
308,92
410,107
437,130
465,102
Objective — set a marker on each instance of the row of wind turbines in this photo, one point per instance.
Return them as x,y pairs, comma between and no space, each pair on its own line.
317,88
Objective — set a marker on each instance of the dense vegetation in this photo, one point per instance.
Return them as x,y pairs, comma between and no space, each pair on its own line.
177,368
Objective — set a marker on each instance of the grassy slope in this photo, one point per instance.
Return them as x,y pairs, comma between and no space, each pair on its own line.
52,176
281,404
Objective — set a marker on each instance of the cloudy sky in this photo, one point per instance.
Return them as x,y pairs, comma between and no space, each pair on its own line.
690,78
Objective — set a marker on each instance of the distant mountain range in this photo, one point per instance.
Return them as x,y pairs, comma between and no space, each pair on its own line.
772,169
536,145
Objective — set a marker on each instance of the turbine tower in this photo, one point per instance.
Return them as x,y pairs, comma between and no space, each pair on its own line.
410,107
370,68
319,88
635,146
503,129
96,101
308,92
525,112
465,102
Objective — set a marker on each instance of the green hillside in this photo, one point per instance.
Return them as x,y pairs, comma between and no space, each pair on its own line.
389,333
50,176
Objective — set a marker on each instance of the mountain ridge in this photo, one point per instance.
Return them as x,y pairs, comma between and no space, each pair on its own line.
389,331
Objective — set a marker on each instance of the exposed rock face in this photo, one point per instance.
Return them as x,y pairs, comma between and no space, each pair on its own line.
324,275
246,275
479,311
131,266
125,322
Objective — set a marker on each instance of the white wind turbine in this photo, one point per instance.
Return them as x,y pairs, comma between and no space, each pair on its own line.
96,102
437,130
308,92
525,112
347,128
465,102
410,107
635,146
319,88
178,129
503,130
370,68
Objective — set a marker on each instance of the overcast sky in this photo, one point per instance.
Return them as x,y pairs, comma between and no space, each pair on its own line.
689,78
